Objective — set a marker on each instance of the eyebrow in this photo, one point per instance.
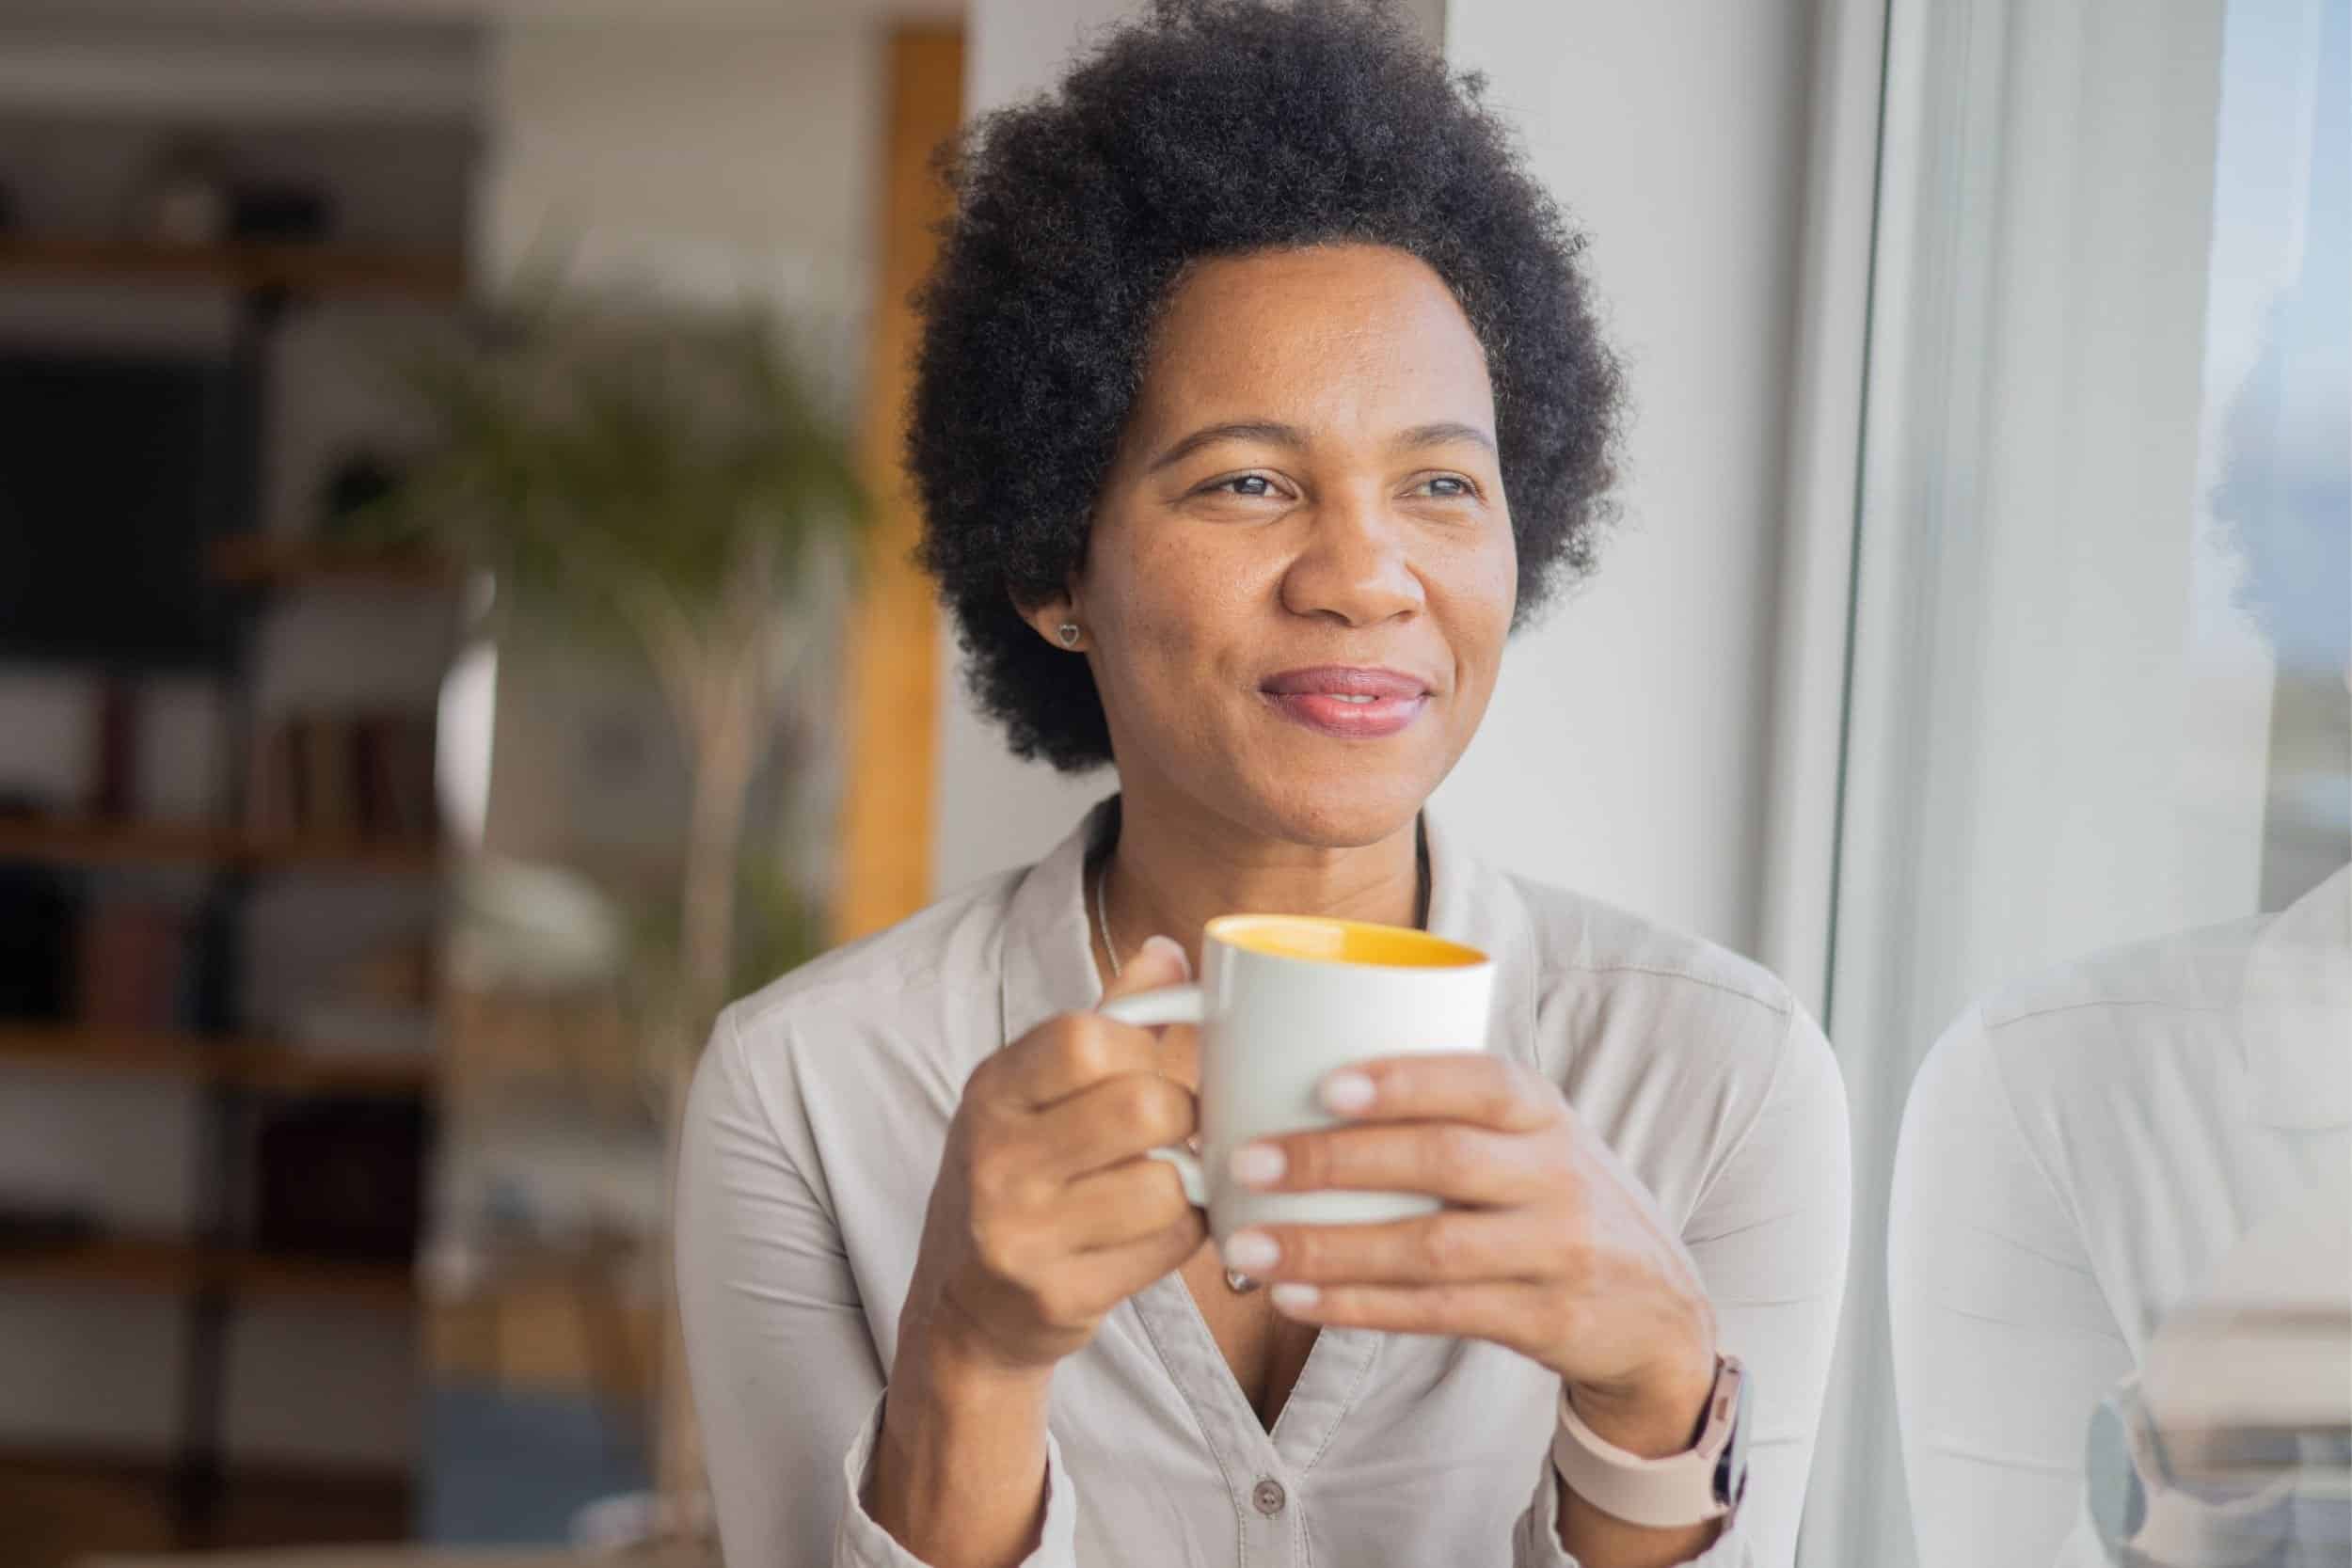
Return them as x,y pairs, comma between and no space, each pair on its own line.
1437,434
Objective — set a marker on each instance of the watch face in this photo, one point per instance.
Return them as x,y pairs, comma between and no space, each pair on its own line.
2113,1494
1731,1470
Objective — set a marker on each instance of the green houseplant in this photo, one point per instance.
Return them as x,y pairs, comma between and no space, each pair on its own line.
667,481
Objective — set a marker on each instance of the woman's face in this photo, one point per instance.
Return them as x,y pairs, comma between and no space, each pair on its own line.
1307,483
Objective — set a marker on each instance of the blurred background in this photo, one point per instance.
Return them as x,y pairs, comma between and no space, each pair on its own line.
454,630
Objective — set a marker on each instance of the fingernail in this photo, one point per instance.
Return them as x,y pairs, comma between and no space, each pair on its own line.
1346,1093
1291,1297
1250,1251
1256,1164
1170,946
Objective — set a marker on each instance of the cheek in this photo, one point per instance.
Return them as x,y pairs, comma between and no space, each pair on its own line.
1179,604
1480,592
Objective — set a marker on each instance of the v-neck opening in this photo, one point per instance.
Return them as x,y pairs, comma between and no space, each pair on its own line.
1330,1383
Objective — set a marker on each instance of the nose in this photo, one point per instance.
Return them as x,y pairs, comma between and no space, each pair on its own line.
1353,564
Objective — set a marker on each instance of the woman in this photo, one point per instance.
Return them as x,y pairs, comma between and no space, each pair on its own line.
1259,400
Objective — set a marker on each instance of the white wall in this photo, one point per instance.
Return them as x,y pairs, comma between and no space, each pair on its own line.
1625,751
706,157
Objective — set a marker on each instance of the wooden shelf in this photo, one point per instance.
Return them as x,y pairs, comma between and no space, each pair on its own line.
324,270
68,1505
74,841
161,1263
266,560
248,1063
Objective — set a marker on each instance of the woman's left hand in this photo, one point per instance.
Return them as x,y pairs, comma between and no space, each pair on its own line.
1551,1248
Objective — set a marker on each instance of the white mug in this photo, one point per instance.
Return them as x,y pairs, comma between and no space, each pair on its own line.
1284,1000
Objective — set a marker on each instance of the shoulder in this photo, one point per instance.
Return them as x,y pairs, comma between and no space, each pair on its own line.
952,944
2117,1020
1676,1045
1577,934
1721,1013
894,1018
2065,1062
2191,973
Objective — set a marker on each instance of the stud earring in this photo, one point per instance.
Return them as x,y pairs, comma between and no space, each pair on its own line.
1068,632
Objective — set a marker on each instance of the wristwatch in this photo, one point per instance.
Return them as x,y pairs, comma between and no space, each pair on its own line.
2144,1515
1704,1481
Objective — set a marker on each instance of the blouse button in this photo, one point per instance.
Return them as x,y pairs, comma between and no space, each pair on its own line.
1269,1496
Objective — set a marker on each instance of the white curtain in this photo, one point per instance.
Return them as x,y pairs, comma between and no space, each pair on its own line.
2057,719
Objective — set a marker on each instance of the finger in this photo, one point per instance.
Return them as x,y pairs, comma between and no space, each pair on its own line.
1126,1203
1112,1120
1080,1049
1074,1051
1101,1279
1160,961
1505,1312
1475,1086
1451,1160
1457,1247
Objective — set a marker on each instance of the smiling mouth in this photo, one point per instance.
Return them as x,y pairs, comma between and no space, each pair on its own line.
1348,716
1348,701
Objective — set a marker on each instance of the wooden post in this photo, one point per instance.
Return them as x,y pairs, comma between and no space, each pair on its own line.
892,661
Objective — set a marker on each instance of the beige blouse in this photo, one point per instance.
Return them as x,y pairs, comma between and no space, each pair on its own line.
814,1133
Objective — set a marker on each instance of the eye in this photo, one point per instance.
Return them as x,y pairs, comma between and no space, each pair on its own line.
1450,486
1240,485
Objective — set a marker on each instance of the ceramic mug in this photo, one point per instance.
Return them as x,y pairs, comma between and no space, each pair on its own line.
1284,1001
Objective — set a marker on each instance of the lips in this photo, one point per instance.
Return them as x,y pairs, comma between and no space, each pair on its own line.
1347,701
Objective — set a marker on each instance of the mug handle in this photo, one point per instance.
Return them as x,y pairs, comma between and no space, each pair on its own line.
1181,1003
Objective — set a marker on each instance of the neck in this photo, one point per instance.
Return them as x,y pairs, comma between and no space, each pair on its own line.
1172,871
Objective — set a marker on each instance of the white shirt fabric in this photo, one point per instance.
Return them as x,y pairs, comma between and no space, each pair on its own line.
814,1133
2077,1156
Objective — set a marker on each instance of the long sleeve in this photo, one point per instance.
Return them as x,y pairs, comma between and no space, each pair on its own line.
783,1369
2004,1343
787,1386
1769,1235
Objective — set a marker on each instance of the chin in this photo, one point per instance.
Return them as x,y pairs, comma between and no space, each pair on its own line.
1344,809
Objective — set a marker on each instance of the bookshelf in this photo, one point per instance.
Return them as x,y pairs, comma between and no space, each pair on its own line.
174,1266
263,561
314,270
263,1065
351,801
82,841
256,561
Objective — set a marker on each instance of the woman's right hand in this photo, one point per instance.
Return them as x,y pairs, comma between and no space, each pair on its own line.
1042,1217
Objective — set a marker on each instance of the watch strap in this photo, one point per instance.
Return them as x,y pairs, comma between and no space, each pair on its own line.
1677,1490
2166,1524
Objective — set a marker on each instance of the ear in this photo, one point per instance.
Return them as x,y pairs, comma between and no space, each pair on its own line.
1047,616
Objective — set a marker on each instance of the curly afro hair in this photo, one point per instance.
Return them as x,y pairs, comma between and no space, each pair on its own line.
1216,128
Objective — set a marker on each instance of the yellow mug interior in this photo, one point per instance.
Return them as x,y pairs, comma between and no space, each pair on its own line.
1322,940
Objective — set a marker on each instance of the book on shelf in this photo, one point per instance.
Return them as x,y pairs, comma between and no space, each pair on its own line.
362,776
327,779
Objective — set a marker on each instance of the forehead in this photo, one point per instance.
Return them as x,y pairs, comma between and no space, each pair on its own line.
1334,334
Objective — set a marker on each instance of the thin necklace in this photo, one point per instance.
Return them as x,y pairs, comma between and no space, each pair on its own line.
1103,914
1103,904
1236,1281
